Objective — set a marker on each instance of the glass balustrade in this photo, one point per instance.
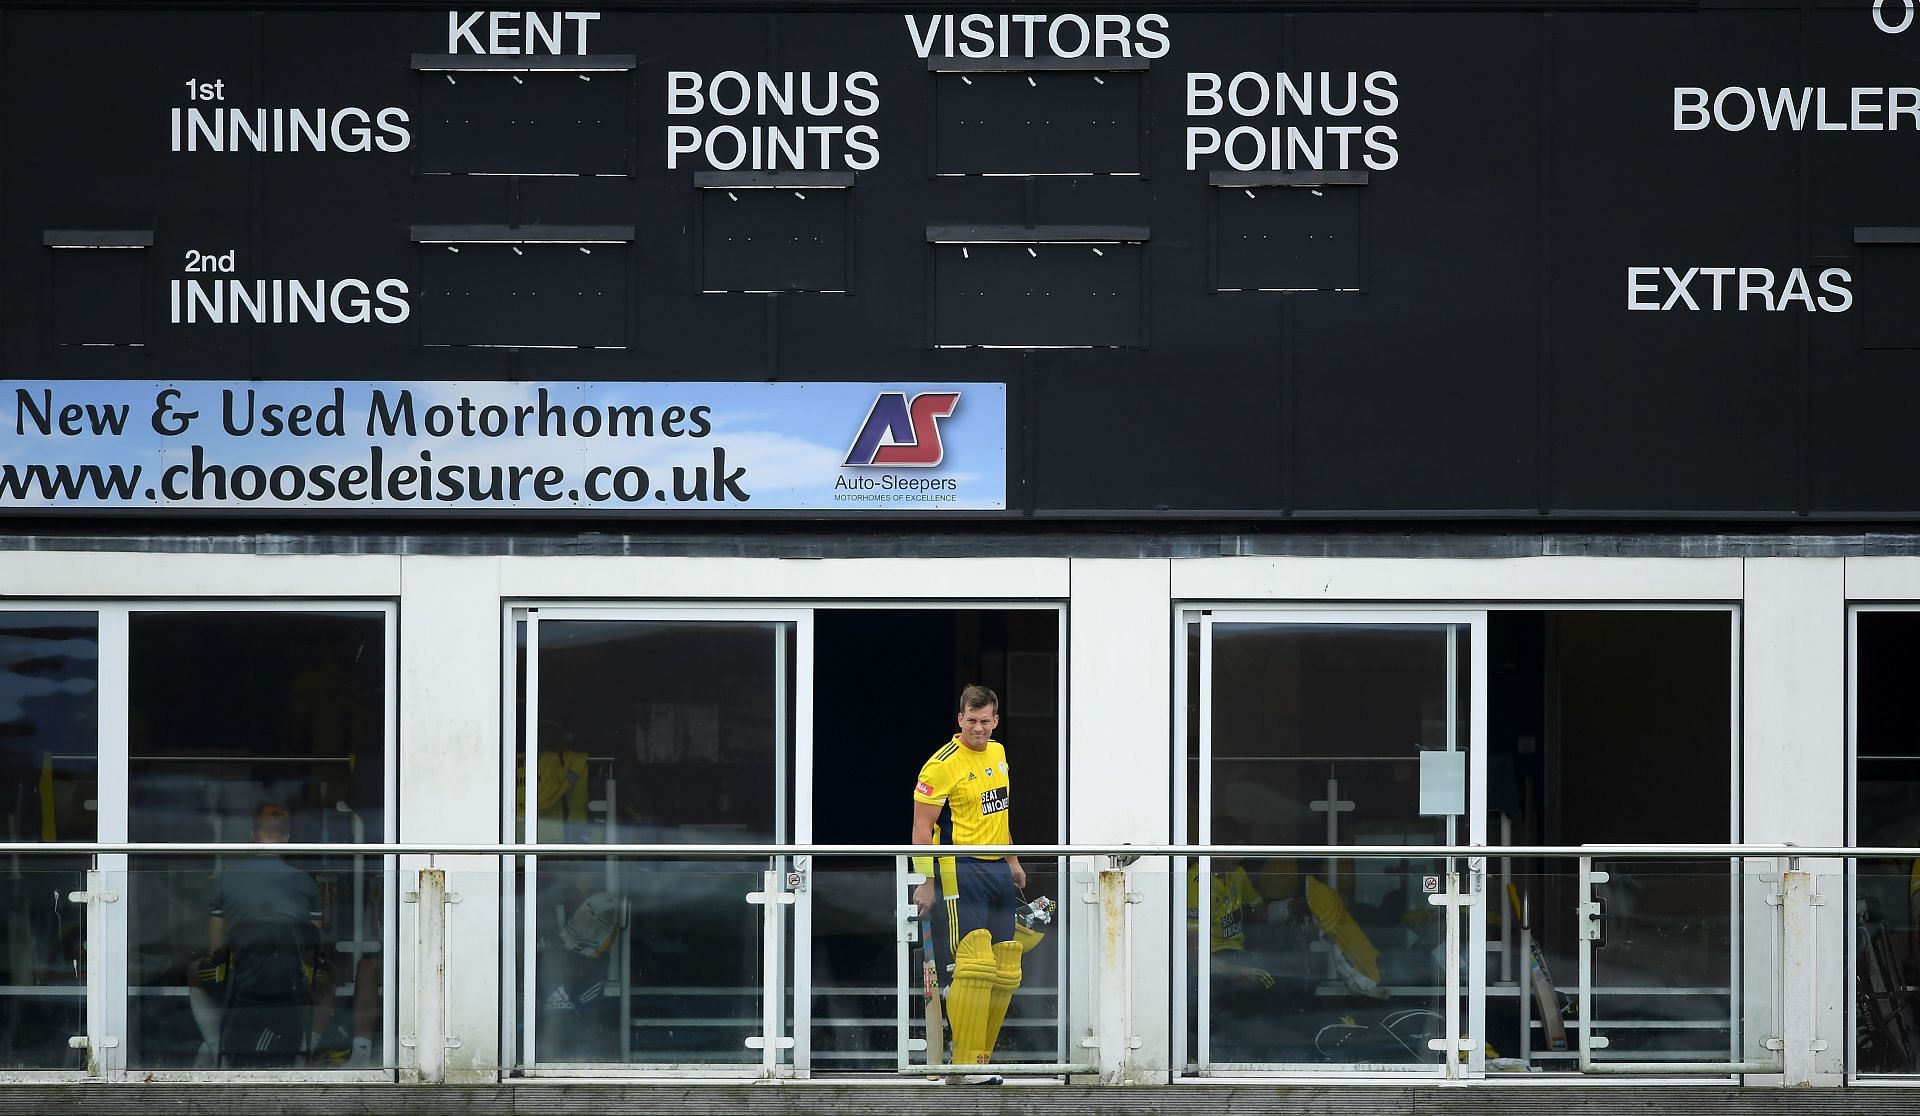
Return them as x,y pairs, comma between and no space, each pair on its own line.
820,964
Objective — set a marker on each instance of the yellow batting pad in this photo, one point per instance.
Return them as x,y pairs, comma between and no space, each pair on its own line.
1006,978
970,998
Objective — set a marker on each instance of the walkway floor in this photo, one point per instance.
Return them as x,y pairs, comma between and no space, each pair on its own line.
1037,1100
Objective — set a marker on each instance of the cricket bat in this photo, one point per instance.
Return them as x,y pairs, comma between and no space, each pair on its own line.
1545,997
930,990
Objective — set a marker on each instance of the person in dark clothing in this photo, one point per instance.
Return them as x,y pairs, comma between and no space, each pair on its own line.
265,971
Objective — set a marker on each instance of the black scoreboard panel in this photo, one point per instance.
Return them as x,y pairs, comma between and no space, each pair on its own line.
1365,261
1039,121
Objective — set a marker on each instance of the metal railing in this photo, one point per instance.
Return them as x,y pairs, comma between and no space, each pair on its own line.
1108,867
737,850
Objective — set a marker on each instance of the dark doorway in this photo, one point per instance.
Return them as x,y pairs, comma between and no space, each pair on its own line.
1614,727
886,684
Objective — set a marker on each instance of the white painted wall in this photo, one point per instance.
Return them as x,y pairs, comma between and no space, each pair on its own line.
775,581
1887,579
1120,783
450,786
1445,581
1794,750
97,575
1794,701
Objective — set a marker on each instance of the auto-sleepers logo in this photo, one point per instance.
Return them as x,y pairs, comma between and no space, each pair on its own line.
903,434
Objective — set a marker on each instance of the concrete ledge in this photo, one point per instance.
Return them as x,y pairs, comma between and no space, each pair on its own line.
1049,1100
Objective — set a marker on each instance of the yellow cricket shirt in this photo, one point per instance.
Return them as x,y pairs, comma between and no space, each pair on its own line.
974,788
1230,896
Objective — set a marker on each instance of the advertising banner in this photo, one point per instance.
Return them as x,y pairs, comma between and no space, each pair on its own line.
370,446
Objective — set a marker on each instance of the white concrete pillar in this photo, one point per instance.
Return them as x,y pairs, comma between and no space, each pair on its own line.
1119,774
451,633
1793,768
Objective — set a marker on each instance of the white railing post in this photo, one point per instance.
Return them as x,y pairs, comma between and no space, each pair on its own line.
1112,975
430,978
1452,1044
1797,969
772,897
105,1019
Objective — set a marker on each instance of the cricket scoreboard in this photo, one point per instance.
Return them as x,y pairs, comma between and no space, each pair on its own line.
1400,261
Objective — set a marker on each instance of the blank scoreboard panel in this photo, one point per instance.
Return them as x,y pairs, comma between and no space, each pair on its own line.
536,122
758,234
527,294
1610,263
1291,237
1041,294
1034,122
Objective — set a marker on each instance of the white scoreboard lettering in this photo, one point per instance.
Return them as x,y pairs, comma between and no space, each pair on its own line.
518,32
1342,95
1893,16
1786,109
217,301
1008,35
278,130
1738,288
773,136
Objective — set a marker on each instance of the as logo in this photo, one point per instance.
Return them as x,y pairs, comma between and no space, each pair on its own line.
900,434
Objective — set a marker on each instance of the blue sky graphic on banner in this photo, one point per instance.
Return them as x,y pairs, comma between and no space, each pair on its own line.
368,446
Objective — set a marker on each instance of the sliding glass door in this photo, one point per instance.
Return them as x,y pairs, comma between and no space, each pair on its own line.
662,727
1341,729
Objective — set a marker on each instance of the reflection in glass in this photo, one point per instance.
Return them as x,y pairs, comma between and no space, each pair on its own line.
1886,1022
647,961
1663,966
1318,734
49,680
1886,892
655,732
855,912
267,727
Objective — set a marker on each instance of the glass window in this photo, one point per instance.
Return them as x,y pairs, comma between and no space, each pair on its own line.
1887,813
49,765
1354,729
654,731
256,727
